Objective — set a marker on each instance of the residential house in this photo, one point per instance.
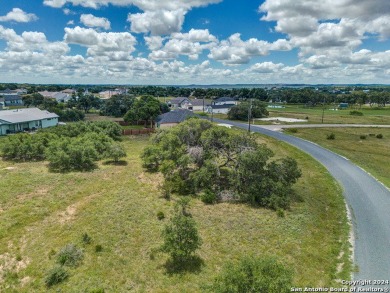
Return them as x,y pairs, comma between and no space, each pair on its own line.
105,95
224,101
60,97
18,120
219,109
173,118
180,102
199,105
13,100
221,105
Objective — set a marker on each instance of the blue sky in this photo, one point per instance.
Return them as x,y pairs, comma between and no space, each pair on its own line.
194,41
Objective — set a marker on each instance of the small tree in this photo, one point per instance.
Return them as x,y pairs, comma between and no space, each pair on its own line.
115,152
181,238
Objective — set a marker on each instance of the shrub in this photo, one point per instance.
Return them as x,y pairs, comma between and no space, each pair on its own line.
292,130
254,275
86,238
379,136
70,256
331,136
208,197
98,248
372,134
68,154
356,113
181,237
363,136
115,152
160,215
280,213
55,276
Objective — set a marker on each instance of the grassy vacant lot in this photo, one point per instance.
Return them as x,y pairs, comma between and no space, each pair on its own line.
41,212
370,116
371,153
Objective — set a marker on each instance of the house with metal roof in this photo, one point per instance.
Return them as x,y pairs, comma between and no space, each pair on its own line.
174,117
219,109
18,120
225,101
13,100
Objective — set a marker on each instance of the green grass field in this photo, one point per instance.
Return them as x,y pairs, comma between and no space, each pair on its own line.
314,115
41,212
371,153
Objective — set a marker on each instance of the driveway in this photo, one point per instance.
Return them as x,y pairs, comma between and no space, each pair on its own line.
368,201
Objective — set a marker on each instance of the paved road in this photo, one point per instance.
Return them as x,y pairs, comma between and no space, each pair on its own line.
368,200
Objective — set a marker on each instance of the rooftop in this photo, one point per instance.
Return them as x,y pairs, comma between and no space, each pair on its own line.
24,115
175,116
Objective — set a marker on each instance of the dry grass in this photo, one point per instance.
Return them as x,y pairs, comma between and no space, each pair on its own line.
117,205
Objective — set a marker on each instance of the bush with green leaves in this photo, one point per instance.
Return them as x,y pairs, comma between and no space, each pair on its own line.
70,255
197,156
55,276
253,275
208,197
331,136
181,237
67,154
363,136
380,136
240,111
356,113
115,152
26,147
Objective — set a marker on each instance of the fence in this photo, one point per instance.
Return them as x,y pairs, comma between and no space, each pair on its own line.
137,131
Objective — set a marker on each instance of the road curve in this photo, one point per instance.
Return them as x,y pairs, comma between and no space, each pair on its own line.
368,200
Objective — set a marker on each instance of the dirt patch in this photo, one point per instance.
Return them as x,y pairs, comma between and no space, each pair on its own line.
69,214
71,211
9,263
10,168
39,192
153,180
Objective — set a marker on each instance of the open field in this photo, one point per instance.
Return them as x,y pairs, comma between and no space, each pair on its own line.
41,212
314,115
371,153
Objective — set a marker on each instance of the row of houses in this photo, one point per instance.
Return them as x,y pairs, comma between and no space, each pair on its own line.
218,106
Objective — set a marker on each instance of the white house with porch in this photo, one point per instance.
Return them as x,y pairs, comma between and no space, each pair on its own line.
18,120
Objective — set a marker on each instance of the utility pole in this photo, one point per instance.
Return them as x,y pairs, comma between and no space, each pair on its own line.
249,116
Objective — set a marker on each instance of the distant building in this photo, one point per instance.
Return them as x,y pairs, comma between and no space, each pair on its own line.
180,102
343,106
18,120
224,101
219,109
13,100
60,97
173,118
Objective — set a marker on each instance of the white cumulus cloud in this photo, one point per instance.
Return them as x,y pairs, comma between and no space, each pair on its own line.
93,21
18,15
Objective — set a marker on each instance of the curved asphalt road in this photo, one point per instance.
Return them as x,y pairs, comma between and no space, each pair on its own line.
368,200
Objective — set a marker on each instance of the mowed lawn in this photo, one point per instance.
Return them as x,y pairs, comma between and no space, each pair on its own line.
41,212
371,153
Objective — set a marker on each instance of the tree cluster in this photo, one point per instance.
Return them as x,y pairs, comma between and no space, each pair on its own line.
73,147
146,108
196,157
242,111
